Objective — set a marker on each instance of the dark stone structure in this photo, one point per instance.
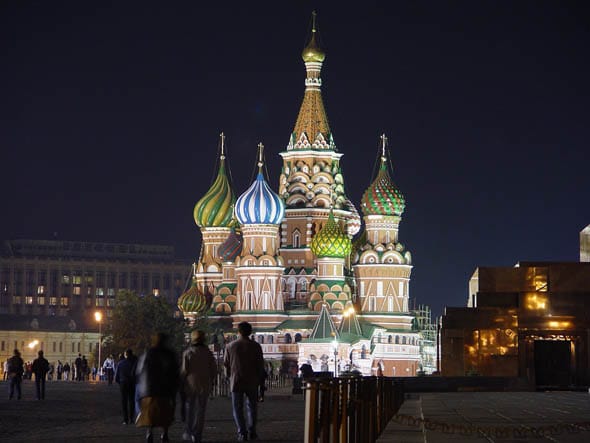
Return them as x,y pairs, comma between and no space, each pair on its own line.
531,321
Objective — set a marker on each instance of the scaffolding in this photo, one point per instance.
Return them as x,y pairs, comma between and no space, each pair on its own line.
428,342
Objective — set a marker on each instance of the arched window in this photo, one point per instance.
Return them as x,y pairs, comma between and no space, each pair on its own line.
296,238
389,339
403,340
261,339
397,339
288,338
270,339
303,285
364,352
297,337
292,287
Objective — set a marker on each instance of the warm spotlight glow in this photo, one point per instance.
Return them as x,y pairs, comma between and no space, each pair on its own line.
98,316
33,344
536,302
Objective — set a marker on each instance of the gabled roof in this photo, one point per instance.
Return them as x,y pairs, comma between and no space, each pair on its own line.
350,324
324,327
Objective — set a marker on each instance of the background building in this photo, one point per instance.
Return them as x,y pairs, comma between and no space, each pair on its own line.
531,320
50,290
49,277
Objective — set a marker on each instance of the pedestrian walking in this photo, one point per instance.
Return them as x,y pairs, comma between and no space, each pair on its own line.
66,371
109,368
15,369
59,368
197,373
85,368
158,376
244,364
125,378
78,367
40,368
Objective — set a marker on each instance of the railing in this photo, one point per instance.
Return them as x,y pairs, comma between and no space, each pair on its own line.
349,409
221,387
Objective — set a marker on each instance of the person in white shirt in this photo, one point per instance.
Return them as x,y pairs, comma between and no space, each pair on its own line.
109,368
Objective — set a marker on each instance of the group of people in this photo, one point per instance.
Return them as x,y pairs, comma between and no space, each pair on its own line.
15,370
149,385
160,378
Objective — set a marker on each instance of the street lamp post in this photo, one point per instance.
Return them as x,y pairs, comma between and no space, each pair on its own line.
98,318
335,346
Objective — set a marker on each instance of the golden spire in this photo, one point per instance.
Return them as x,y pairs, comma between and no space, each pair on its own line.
260,151
383,146
312,52
222,138
312,118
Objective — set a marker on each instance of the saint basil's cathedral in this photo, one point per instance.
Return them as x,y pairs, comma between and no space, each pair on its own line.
318,284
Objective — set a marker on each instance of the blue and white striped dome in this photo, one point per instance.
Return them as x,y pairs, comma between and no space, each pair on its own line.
259,205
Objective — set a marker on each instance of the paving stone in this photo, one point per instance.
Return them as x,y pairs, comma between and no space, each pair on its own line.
91,412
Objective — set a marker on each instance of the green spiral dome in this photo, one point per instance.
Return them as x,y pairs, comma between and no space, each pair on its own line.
331,241
192,301
215,209
382,197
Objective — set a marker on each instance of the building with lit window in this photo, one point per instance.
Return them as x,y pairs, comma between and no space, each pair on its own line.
54,287
531,320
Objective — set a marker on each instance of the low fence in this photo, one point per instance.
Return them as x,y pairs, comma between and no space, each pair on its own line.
221,387
349,409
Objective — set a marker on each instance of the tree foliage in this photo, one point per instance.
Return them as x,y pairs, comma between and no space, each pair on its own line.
137,318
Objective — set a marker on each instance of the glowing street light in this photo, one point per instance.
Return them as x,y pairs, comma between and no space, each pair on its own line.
33,344
98,318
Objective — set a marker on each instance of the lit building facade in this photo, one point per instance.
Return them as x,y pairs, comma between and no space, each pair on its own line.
293,258
50,290
530,321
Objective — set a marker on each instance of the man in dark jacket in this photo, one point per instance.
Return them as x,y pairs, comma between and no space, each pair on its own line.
244,363
78,367
40,369
125,377
15,369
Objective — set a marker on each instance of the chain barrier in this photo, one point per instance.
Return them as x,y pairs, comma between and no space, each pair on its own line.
493,431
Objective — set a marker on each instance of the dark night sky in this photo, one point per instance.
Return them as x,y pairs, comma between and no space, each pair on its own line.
110,115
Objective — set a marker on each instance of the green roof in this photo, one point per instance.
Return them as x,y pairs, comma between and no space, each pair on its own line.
296,324
324,327
350,325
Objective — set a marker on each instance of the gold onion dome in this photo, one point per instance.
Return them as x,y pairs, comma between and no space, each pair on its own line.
312,52
215,208
331,241
193,300
382,197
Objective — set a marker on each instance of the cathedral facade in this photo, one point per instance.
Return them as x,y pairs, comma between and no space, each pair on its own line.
319,284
